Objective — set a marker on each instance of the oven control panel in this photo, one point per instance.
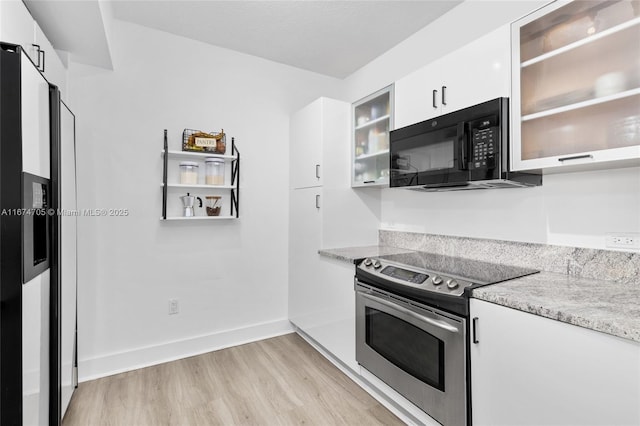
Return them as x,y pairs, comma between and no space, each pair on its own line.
404,274
415,277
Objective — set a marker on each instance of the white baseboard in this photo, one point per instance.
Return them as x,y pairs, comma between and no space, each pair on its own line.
120,362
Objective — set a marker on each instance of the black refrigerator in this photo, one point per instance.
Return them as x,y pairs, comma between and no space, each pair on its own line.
38,256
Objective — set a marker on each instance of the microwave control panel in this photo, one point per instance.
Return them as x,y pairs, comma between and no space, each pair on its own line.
483,147
484,144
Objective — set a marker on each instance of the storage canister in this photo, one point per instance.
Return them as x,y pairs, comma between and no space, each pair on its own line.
214,171
189,172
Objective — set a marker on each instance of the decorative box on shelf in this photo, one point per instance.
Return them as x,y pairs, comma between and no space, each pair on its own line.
199,141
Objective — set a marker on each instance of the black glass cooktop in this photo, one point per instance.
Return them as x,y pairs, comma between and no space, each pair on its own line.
474,271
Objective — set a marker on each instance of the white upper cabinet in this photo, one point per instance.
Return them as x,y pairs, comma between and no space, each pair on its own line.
306,146
414,101
475,73
50,63
576,85
372,119
17,26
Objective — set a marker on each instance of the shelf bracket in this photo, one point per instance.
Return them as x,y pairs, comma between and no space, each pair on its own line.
235,179
164,176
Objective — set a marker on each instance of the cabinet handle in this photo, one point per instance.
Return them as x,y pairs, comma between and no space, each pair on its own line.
575,157
37,46
444,100
318,201
435,93
318,171
474,323
43,57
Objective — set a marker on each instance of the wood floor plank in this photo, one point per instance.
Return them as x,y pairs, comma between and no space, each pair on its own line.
278,381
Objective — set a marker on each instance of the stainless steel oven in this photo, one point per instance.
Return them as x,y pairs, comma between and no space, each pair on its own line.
412,326
417,350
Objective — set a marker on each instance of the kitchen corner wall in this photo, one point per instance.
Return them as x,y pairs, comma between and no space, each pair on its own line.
230,277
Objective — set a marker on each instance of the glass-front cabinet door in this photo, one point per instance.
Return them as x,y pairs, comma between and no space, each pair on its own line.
372,122
576,84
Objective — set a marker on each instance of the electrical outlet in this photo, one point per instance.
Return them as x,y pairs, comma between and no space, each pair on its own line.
173,306
630,240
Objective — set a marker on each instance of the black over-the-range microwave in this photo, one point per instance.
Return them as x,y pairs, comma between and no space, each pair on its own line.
465,149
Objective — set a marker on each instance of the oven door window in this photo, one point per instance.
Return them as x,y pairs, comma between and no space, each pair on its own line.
408,347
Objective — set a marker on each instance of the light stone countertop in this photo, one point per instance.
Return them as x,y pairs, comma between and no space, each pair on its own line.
351,254
607,306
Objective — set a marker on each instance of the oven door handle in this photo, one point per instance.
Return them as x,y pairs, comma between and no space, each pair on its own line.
439,324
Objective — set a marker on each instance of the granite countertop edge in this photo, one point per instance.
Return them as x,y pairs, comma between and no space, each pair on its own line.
537,294
352,254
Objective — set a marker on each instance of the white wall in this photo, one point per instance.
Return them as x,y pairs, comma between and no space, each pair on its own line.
574,209
227,275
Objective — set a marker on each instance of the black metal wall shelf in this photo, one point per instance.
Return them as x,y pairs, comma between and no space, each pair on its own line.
233,188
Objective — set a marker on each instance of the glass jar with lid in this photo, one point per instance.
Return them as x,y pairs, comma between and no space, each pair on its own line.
189,172
214,171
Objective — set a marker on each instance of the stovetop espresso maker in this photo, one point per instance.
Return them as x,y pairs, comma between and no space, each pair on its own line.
188,202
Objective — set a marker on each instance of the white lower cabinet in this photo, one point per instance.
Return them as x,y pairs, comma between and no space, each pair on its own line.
305,237
328,300
530,370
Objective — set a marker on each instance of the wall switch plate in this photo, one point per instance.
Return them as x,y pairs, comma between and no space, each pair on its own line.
628,240
173,306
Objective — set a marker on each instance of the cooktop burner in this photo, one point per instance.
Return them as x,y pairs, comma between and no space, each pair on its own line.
471,270
444,281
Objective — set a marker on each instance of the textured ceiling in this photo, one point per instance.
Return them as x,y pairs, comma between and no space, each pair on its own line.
331,37
334,38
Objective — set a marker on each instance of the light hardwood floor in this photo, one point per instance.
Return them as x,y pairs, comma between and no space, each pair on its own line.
278,381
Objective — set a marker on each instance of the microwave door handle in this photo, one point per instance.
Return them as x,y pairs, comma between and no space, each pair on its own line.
439,324
463,142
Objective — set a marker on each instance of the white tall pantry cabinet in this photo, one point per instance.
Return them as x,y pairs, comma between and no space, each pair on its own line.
325,212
